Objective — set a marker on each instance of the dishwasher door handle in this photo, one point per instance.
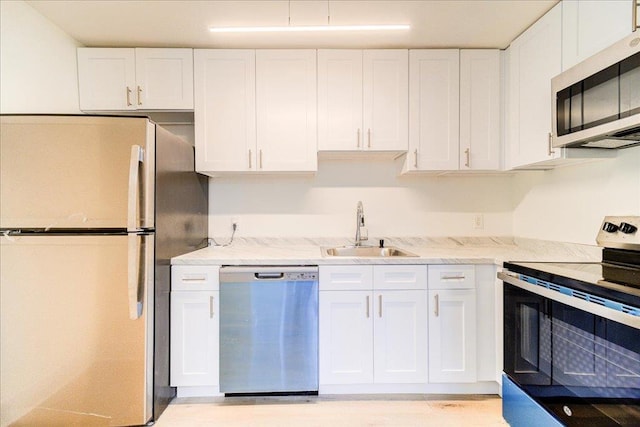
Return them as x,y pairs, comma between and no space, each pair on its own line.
268,276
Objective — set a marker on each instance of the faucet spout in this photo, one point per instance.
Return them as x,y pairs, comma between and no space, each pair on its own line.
360,225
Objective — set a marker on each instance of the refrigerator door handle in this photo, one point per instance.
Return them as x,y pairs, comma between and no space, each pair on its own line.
134,188
134,280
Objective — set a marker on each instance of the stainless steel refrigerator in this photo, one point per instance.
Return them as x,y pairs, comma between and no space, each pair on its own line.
92,208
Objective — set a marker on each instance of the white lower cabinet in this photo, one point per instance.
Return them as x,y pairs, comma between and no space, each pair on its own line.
373,336
399,341
194,338
346,337
194,332
452,336
452,324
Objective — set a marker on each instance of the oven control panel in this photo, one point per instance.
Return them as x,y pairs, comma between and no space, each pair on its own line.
620,232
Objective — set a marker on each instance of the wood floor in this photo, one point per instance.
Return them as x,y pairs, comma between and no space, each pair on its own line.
335,411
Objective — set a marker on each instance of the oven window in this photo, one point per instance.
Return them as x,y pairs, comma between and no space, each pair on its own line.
583,368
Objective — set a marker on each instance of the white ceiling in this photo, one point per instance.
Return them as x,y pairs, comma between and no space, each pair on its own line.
167,23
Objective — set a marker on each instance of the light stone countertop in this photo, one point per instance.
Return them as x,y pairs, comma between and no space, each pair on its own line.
430,250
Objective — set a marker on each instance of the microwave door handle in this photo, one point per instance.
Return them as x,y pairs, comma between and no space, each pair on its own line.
134,186
134,281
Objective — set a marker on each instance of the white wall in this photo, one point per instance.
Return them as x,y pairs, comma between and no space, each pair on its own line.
568,204
324,205
38,67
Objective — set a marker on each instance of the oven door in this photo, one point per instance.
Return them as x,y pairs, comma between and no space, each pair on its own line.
582,367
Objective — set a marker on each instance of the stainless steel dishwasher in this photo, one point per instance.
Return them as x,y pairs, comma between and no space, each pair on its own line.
268,330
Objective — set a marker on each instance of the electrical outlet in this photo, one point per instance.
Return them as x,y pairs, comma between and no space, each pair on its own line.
478,222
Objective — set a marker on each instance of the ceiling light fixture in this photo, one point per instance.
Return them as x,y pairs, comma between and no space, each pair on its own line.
297,28
311,28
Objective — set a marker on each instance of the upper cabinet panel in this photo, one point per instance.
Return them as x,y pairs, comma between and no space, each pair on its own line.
589,26
225,110
286,110
385,99
164,79
120,79
363,100
533,59
107,79
434,116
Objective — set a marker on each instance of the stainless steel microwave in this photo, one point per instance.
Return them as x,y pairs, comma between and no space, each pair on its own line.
597,102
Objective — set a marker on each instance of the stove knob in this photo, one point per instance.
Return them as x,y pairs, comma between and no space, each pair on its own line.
610,227
627,228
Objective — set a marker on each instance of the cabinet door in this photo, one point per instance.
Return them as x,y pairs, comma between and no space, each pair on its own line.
339,99
385,99
286,110
480,147
400,341
346,337
534,58
164,79
452,336
590,26
194,338
225,110
434,109
106,78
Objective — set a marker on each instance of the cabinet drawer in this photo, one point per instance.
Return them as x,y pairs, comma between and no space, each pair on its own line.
194,277
392,277
346,278
452,276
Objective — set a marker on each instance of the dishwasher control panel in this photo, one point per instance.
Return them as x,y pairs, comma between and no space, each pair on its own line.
300,277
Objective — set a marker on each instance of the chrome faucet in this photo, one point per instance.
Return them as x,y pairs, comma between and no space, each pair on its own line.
360,225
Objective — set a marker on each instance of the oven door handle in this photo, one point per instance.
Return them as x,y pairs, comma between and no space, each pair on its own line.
599,310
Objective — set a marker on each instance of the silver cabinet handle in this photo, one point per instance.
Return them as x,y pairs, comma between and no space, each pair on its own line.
379,305
358,140
452,278
551,150
250,165
129,97
139,95
194,279
260,158
437,307
468,159
369,138
415,162
211,298
367,306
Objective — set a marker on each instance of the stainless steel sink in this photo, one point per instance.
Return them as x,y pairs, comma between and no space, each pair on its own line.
366,251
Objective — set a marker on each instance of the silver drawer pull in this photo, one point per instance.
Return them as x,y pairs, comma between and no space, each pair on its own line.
452,278
367,306
194,279
437,307
380,305
211,307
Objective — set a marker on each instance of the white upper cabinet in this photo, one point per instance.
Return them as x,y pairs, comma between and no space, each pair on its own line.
434,112
480,145
339,100
225,110
164,79
255,111
533,59
286,110
589,26
385,97
123,79
363,100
